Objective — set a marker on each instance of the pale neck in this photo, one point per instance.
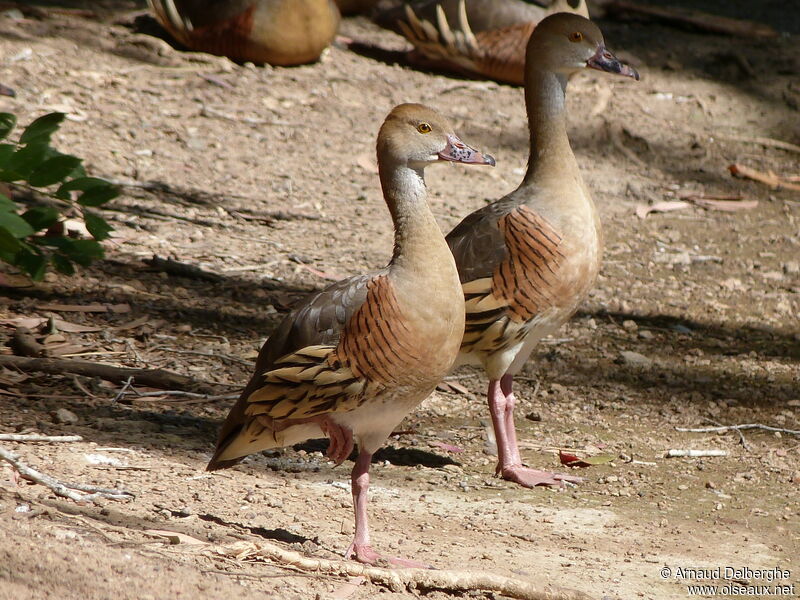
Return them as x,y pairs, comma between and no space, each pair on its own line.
550,154
417,237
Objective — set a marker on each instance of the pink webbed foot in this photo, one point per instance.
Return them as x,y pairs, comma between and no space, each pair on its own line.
527,477
365,554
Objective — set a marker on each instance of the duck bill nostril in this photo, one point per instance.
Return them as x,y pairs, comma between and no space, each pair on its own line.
458,151
603,60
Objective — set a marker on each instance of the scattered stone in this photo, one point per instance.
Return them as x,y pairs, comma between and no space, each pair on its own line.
533,416
710,485
629,325
612,479
646,334
65,417
634,359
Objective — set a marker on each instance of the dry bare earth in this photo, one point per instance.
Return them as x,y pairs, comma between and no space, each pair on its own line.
262,171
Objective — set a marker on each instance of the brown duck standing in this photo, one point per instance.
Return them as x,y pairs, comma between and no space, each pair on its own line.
527,260
351,361
478,37
277,32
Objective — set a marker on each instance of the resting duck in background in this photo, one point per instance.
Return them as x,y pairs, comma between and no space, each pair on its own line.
528,260
354,359
485,38
276,32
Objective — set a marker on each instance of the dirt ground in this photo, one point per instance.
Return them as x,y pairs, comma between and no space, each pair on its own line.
266,178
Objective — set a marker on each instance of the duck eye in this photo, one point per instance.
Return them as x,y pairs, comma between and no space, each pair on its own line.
576,36
424,128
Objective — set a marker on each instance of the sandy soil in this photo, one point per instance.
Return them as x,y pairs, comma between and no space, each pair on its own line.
266,177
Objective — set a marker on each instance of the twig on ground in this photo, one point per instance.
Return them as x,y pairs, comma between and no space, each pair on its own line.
695,453
402,579
156,378
125,386
173,267
67,490
192,397
694,18
737,427
35,437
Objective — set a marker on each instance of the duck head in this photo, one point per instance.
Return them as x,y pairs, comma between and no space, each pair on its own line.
418,136
565,43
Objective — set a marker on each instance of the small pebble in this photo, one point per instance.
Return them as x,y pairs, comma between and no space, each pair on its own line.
64,416
629,325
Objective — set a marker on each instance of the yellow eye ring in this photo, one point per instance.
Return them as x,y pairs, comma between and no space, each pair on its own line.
424,128
576,36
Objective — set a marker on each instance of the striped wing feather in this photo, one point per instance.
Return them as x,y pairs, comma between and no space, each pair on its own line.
508,258
343,346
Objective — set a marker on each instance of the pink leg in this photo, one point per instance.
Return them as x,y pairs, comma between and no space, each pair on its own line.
341,440
361,549
501,406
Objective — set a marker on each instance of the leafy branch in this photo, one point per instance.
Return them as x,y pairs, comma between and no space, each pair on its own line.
33,239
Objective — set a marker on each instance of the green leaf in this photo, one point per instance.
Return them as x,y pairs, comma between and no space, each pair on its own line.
6,150
54,170
83,252
15,225
97,226
41,217
32,263
63,264
80,184
42,129
7,204
599,459
7,122
98,195
8,243
25,160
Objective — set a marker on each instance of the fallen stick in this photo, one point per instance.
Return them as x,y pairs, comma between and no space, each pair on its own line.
737,427
405,579
156,378
35,437
173,267
162,396
770,179
694,18
67,490
695,453
764,141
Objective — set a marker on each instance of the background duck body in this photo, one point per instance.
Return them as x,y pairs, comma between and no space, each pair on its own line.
355,358
478,37
527,260
277,32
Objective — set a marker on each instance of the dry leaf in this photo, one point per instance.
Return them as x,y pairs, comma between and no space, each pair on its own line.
115,308
34,323
642,210
445,447
571,460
